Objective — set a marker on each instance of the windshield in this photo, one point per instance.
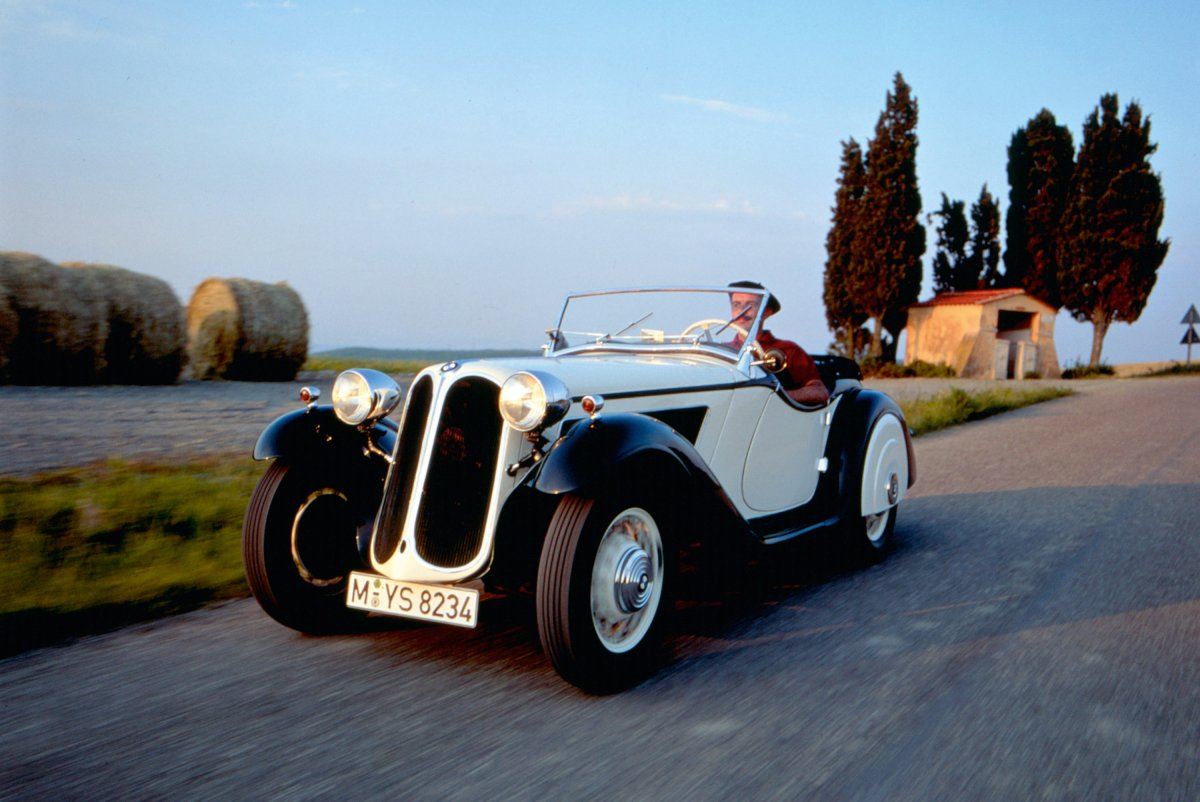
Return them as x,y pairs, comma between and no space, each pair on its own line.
653,319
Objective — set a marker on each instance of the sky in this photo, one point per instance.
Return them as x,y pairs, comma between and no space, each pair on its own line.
441,174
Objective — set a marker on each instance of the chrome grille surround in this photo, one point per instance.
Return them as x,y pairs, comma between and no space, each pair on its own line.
447,482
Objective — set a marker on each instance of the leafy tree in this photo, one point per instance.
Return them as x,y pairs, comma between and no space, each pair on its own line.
890,240
841,309
1041,159
952,237
980,267
1109,252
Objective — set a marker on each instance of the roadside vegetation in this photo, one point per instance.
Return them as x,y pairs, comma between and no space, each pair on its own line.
883,369
92,548
1177,370
957,406
1082,371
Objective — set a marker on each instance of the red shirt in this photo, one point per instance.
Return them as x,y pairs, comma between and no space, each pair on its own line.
800,370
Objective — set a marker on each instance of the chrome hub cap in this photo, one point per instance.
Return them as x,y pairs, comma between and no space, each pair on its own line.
632,585
627,580
893,488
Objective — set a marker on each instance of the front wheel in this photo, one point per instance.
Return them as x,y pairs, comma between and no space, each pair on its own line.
299,544
605,590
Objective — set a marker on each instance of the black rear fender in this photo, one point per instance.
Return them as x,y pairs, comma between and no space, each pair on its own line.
847,447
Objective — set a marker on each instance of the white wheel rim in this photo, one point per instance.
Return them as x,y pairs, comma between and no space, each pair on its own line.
627,579
875,524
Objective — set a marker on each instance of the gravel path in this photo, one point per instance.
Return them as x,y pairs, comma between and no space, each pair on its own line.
56,427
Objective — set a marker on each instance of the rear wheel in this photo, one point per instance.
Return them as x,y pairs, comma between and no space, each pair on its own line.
884,472
299,544
870,535
605,590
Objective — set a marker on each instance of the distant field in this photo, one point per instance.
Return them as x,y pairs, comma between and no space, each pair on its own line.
398,360
420,355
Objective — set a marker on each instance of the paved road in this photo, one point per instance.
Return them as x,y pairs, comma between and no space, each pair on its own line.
1035,635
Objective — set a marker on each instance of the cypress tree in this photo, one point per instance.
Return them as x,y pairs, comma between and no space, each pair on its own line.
841,310
1109,252
890,240
980,267
952,236
1040,163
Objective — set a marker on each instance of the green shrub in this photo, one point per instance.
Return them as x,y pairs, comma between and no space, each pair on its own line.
1082,371
881,369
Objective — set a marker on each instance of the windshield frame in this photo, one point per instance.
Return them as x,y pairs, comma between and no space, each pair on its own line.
605,344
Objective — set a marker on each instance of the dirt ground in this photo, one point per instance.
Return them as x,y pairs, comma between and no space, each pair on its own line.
56,427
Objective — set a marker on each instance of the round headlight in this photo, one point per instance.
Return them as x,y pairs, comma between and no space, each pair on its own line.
362,394
533,400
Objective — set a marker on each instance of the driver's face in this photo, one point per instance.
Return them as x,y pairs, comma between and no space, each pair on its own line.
743,306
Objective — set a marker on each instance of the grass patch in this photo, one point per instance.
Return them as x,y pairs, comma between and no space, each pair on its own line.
958,406
88,549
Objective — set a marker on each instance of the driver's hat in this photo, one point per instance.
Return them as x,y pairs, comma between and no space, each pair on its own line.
772,302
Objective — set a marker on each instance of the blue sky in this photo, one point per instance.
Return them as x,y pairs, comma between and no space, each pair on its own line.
440,174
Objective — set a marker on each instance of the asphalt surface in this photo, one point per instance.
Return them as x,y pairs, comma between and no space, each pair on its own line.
1034,635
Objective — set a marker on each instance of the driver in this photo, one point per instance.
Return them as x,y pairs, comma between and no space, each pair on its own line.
800,379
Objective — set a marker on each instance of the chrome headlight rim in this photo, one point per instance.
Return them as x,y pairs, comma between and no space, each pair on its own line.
363,395
531,400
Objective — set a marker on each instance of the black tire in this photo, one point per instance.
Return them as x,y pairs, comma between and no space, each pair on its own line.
299,543
578,594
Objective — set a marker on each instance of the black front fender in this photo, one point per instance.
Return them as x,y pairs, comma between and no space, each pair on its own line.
312,431
590,453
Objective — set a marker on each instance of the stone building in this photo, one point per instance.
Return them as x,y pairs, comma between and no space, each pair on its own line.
985,334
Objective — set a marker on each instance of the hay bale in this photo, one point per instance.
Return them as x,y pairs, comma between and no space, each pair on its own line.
246,330
146,342
8,330
61,324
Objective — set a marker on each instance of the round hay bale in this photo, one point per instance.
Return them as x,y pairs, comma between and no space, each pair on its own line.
146,341
246,330
8,330
61,325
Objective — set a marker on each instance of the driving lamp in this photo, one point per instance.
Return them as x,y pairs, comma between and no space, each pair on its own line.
363,394
531,400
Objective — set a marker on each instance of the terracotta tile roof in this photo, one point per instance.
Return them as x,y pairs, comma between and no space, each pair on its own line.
971,297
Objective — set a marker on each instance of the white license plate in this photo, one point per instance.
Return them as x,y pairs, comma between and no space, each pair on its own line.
441,604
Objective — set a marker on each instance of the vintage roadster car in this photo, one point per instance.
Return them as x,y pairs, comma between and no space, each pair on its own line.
650,421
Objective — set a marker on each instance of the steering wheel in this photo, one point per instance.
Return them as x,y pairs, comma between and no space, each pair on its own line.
710,321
